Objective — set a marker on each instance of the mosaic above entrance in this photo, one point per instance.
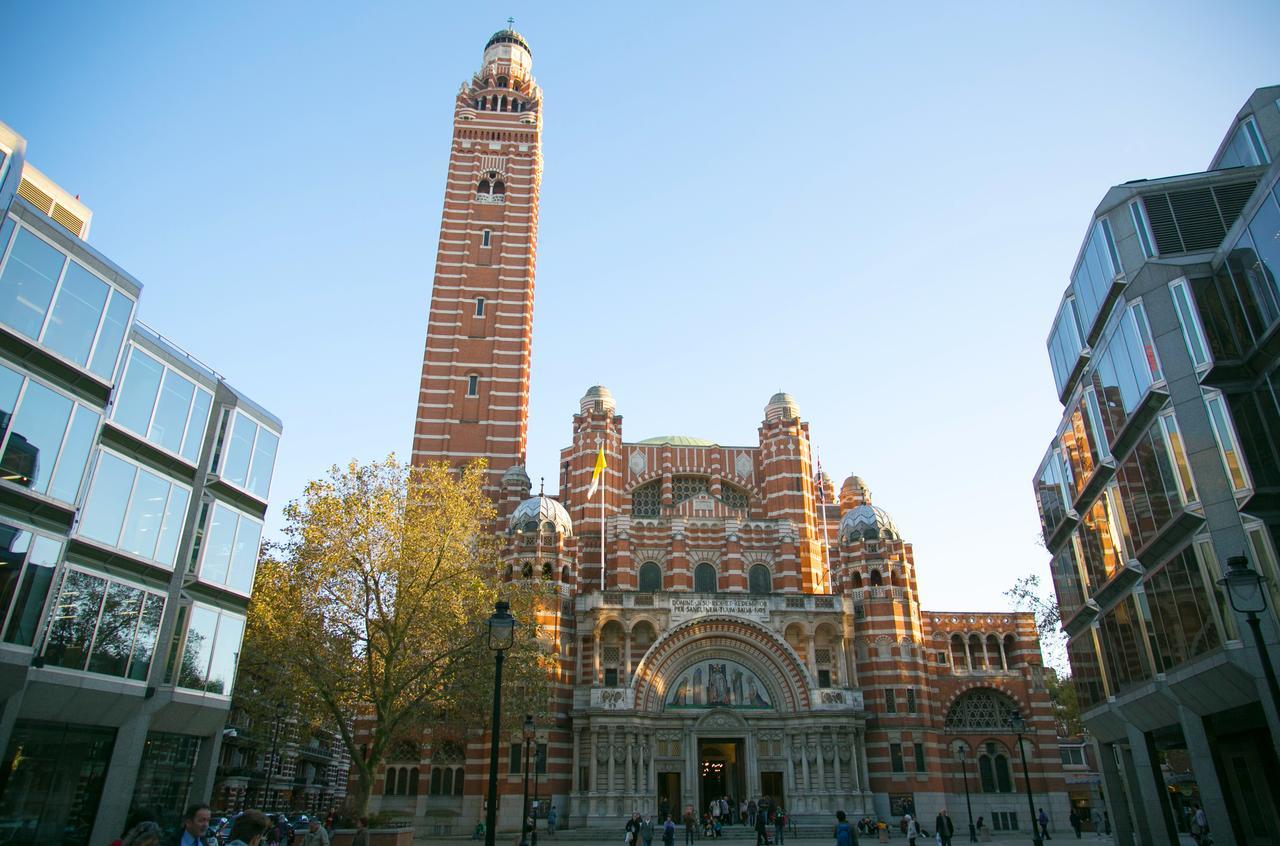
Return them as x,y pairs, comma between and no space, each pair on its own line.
718,684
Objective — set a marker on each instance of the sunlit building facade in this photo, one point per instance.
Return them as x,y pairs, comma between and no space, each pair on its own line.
1164,465
133,482
727,623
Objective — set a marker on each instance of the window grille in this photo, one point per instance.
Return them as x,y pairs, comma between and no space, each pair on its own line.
980,710
646,500
687,487
733,497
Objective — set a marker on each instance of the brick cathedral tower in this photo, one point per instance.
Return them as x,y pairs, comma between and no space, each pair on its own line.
474,399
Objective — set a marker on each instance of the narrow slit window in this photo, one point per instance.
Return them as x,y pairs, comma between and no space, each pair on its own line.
473,386
485,237
479,306
1227,445
1191,331
1139,216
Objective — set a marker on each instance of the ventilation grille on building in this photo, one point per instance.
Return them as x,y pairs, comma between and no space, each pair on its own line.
35,196
1196,219
45,203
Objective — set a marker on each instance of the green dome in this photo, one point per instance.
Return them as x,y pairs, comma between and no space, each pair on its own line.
678,440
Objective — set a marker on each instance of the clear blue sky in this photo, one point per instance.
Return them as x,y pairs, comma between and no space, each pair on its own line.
872,206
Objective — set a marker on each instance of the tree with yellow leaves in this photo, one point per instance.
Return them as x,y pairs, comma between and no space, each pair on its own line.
372,610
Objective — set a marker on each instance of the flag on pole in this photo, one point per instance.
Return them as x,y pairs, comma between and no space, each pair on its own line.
597,473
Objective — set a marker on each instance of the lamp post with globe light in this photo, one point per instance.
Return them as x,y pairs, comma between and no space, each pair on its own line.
502,633
1019,727
1244,588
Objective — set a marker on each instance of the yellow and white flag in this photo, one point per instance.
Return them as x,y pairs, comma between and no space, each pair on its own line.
597,473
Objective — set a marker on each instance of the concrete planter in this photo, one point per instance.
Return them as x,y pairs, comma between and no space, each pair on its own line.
377,837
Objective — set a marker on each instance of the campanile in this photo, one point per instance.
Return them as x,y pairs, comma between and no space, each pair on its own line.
474,396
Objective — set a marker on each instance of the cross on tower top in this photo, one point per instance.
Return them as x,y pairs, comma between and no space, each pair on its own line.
511,23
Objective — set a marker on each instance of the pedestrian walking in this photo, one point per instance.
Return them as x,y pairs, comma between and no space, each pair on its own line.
1075,821
248,829
551,821
361,837
944,827
844,832
751,812
914,830
646,831
668,832
1043,820
762,830
631,831
690,825
1200,826
317,836
779,824
743,816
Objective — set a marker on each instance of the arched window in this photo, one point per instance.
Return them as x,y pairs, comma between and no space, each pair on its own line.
565,575
980,710
436,774
499,188
646,500
993,652
976,654
704,578
857,580
650,577
527,570
446,786
479,104
875,578
546,570
1010,650
760,580
502,82
485,187
457,782
389,784
986,775
413,781
1004,780
502,104
959,661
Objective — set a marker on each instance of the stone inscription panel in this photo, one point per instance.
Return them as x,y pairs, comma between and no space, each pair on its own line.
688,607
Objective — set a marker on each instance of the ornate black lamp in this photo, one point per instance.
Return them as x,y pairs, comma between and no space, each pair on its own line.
524,808
1248,596
1019,727
962,755
502,633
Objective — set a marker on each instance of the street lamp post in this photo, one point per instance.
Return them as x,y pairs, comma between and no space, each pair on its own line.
502,631
962,753
524,808
1244,587
1019,727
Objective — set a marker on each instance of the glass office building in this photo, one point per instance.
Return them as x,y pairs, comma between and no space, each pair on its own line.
133,484
1165,352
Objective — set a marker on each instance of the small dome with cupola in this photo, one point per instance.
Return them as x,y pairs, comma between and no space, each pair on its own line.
597,398
782,406
541,514
867,522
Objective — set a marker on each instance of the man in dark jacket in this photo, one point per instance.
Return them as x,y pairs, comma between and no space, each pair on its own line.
195,827
944,827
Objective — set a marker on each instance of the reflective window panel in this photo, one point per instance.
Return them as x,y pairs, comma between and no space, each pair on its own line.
103,626
134,509
27,565
162,405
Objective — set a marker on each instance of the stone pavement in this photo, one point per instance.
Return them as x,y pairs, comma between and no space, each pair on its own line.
598,837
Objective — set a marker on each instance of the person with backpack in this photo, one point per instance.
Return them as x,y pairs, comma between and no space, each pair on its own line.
844,832
668,832
779,824
913,830
762,830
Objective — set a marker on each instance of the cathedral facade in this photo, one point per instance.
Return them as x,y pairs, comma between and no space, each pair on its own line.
727,623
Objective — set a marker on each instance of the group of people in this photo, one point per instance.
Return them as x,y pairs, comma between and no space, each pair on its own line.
640,831
249,828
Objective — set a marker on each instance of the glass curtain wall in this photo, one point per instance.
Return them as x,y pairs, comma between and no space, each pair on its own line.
51,782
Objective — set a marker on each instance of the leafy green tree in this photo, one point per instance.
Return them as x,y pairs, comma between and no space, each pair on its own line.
373,609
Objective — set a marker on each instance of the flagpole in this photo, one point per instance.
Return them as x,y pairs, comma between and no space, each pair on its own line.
604,480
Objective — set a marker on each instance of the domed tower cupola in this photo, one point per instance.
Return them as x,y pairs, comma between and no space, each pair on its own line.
597,398
508,50
854,492
541,514
781,407
867,522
